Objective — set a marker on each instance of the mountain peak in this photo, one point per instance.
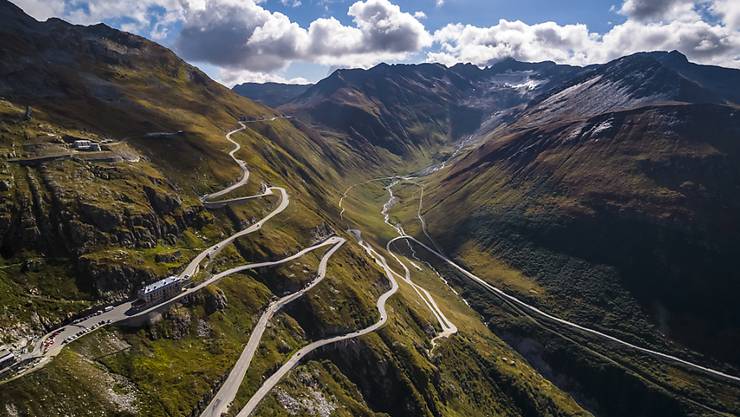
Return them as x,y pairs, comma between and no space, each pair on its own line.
11,16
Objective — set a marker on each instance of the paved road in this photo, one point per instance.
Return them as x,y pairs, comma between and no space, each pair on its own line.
301,353
226,394
447,327
49,345
556,319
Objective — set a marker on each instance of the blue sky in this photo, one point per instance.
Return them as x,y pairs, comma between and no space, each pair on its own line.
599,15
303,40
595,13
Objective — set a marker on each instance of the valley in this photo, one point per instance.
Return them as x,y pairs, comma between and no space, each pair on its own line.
517,239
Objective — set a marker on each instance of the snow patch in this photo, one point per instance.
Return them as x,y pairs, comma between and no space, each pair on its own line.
527,85
601,127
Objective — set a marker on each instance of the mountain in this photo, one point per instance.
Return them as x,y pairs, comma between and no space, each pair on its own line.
612,200
83,229
635,81
583,223
410,112
270,94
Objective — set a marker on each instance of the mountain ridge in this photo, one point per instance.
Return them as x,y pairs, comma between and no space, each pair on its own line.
616,215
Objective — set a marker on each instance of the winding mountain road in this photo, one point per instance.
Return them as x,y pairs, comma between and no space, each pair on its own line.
559,320
447,327
226,394
52,343
273,380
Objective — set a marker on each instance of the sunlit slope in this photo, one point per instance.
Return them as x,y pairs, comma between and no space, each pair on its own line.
78,234
625,221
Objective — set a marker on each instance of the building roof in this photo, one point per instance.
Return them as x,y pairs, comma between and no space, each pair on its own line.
161,284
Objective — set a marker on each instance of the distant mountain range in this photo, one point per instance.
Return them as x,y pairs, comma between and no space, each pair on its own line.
404,107
271,94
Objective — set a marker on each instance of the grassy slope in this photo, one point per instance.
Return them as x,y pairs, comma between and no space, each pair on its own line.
169,367
558,227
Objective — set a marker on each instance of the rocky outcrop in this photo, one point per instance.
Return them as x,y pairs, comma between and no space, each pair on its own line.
178,324
215,300
53,217
102,219
163,203
167,257
112,278
211,298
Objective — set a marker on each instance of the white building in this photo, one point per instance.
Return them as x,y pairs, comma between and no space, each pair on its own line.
161,290
86,145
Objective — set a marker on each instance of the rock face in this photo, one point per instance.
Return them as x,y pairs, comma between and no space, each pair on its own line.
178,324
102,219
105,277
56,216
75,210
167,257
163,203
215,300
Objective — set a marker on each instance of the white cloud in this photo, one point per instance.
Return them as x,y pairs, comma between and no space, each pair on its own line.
660,10
543,41
242,34
646,29
728,11
233,77
386,28
699,40
420,15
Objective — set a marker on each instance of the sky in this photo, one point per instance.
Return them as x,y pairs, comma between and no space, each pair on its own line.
302,41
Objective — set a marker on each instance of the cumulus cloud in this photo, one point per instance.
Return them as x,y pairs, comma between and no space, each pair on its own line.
386,28
728,11
543,41
659,10
233,33
647,28
233,77
242,34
